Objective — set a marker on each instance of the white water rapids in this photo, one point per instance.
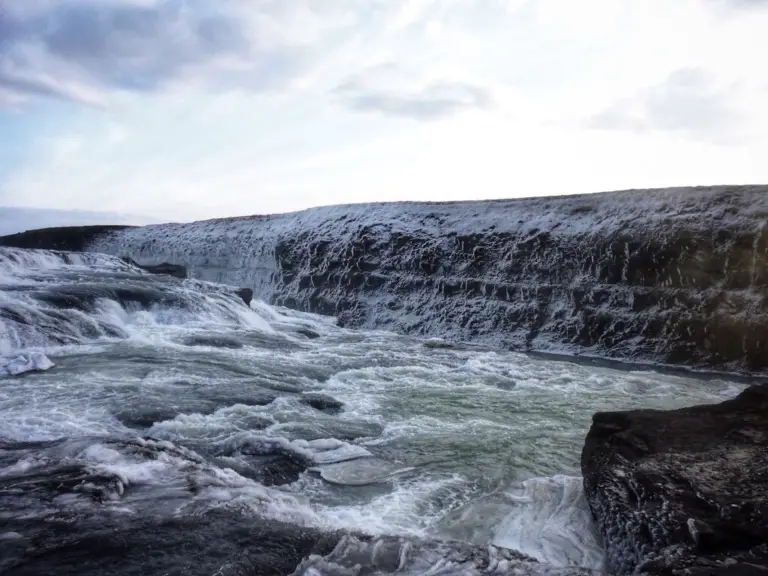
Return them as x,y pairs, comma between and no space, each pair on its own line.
432,440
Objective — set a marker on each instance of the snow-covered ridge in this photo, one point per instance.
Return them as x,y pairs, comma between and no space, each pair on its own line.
673,275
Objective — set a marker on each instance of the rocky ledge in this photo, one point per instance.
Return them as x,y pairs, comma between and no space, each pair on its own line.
70,238
684,491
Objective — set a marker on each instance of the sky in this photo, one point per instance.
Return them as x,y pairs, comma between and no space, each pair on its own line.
191,109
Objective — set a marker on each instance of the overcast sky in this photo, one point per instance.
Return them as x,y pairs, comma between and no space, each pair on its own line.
187,109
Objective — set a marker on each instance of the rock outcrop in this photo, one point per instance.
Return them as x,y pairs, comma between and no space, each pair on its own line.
682,492
678,276
246,294
166,268
71,238
322,402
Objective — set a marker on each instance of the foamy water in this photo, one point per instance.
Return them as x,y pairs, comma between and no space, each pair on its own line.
173,397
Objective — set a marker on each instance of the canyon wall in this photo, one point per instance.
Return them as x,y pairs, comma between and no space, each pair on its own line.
676,276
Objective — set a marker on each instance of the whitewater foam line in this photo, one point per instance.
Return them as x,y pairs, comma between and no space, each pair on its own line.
53,298
16,263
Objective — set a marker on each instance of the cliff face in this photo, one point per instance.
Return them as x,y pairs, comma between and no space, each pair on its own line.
676,276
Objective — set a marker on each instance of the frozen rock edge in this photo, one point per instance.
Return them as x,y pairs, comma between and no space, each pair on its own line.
682,492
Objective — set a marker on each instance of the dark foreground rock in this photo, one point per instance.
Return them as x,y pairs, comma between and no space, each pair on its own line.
217,542
684,491
64,516
225,543
214,341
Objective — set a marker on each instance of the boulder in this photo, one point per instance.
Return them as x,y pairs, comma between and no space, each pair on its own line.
175,270
682,491
322,402
246,294
307,333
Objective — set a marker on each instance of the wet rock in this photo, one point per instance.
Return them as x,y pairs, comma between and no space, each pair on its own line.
154,410
145,417
323,403
227,542
311,334
85,295
246,294
277,470
66,478
438,344
682,491
346,430
213,341
214,542
166,268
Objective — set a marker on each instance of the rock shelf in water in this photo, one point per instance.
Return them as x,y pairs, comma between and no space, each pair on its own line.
682,491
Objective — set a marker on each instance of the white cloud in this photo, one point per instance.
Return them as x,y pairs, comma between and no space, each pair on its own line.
687,102
386,89
83,49
235,106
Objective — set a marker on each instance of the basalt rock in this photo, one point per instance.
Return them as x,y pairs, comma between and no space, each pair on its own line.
166,268
322,402
682,492
246,294
217,542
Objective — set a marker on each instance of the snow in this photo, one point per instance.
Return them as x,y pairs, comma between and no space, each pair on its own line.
25,362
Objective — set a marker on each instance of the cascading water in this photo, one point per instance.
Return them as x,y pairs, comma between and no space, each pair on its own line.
179,431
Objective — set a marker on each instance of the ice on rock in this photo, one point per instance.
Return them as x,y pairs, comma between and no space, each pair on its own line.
25,362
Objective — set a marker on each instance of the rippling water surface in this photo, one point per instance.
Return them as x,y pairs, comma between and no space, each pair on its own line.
173,398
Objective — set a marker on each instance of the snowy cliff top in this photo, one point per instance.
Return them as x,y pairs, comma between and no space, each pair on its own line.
698,208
